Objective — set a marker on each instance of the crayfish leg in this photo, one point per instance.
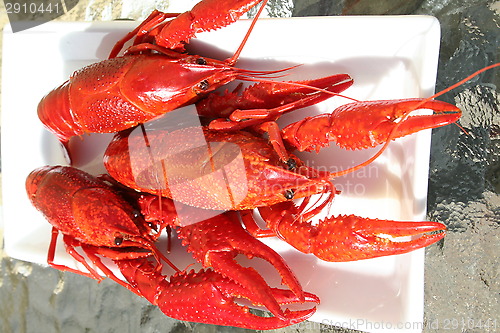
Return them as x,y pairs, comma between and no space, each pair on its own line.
70,248
252,227
155,18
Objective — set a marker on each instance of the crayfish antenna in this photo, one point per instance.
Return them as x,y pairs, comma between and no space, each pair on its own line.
232,61
459,83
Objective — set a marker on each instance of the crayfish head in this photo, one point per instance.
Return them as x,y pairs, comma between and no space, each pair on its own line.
106,219
291,180
86,208
160,84
367,124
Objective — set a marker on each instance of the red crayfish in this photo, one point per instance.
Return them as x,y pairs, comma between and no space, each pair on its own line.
97,217
239,160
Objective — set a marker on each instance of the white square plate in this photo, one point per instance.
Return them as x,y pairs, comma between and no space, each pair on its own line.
388,57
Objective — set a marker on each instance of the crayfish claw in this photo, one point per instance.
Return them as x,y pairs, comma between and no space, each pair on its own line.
350,237
396,237
216,242
208,297
377,121
267,101
233,313
366,124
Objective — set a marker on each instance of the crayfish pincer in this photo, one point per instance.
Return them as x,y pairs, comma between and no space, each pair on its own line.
207,297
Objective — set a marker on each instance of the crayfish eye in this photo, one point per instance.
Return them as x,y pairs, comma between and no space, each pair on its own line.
289,194
118,241
135,214
201,61
291,164
203,85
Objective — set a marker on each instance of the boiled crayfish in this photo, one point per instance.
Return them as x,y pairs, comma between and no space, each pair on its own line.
97,217
239,160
